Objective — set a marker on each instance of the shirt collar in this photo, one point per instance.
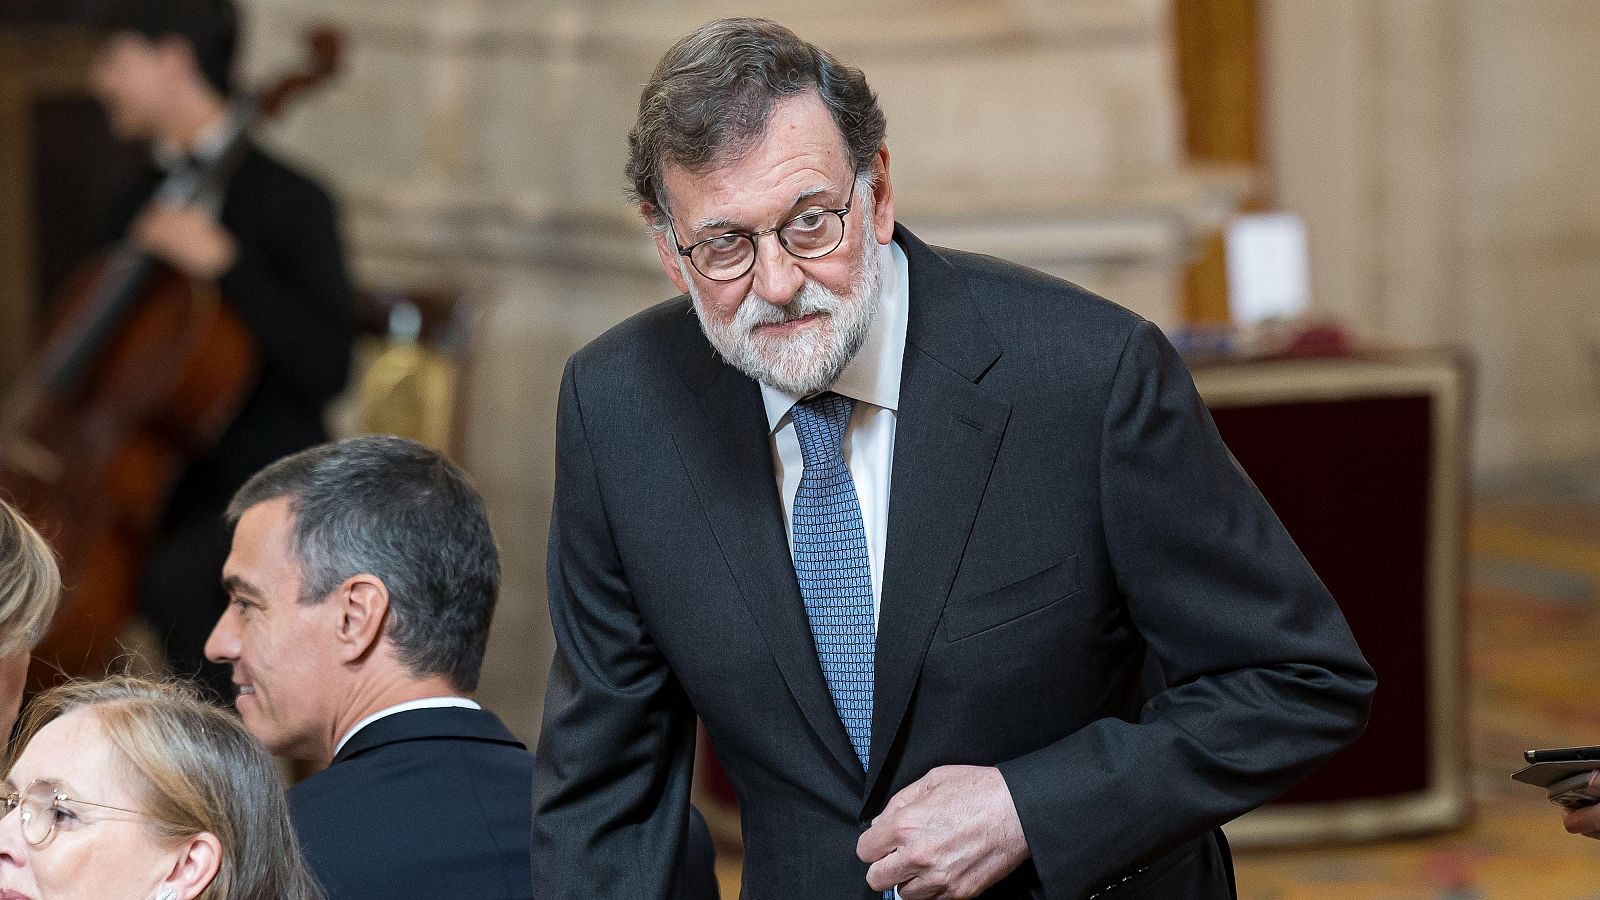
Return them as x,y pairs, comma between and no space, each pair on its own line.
873,374
424,703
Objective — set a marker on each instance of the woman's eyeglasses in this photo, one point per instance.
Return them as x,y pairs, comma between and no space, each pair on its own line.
44,806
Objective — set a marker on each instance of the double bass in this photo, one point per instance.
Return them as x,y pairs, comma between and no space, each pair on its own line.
142,372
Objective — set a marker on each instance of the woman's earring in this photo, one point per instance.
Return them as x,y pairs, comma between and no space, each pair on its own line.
167,895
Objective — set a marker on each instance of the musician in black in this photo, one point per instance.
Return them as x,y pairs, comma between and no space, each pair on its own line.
268,238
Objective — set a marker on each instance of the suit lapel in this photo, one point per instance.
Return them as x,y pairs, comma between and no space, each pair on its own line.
723,444
947,432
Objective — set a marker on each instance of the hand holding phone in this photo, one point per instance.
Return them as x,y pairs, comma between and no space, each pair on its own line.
1570,775
1577,791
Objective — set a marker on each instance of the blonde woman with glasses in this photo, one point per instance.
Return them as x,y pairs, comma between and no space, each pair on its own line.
127,789
30,586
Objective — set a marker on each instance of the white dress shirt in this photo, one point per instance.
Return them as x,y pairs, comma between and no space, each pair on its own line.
424,703
872,379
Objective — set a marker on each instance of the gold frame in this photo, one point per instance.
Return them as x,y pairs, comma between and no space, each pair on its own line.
1446,803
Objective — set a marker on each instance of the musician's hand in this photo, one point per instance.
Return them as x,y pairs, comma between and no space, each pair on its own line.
187,238
949,835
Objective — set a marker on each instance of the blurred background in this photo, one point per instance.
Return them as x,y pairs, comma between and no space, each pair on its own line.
1373,223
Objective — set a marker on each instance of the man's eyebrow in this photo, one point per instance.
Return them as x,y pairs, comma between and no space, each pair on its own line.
233,584
725,225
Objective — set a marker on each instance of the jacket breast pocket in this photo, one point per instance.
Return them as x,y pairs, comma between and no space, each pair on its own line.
997,607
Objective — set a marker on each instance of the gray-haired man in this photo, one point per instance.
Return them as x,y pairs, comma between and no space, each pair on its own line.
900,525
362,581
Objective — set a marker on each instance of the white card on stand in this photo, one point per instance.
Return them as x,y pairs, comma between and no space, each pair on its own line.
1268,277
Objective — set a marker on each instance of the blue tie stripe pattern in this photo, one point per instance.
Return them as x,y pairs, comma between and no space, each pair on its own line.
831,564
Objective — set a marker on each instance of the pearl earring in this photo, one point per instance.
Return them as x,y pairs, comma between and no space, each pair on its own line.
167,895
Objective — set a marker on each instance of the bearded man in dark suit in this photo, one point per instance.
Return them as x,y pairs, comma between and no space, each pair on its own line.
901,525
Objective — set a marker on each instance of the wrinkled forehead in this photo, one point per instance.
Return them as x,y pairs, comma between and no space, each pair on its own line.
801,151
262,554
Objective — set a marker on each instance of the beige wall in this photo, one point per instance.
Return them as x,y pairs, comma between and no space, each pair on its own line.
1444,155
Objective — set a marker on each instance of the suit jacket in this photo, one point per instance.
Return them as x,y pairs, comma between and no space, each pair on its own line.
423,803
436,803
1061,506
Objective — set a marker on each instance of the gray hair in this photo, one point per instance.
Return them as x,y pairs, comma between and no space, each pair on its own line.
711,95
392,508
30,583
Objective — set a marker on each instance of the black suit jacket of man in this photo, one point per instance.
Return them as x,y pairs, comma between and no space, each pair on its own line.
1060,505
436,803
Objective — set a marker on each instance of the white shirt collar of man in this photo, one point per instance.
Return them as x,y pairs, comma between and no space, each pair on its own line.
873,374
424,703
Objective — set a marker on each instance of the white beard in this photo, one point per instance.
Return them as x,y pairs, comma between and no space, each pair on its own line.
809,361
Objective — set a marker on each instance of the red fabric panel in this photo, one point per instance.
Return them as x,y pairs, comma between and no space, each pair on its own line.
1351,480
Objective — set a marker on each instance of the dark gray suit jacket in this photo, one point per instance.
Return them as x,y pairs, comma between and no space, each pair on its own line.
1060,506
435,803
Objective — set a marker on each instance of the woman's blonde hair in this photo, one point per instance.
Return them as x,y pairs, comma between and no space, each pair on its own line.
30,583
196,770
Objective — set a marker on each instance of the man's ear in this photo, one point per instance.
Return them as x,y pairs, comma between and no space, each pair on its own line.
883,198
196,867
664,246
362,613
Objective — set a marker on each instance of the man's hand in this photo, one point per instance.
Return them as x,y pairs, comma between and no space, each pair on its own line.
1584,820
187,238
948,836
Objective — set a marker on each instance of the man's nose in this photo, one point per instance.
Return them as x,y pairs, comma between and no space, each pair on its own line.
223,644
778,277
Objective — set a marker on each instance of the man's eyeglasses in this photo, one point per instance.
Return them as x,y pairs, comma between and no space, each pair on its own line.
44,806
726,257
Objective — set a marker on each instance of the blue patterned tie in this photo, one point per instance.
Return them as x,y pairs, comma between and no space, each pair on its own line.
830,560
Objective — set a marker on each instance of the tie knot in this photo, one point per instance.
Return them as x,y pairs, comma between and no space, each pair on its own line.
820,422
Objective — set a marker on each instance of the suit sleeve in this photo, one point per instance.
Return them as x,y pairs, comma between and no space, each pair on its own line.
612,774
1264,679
290,287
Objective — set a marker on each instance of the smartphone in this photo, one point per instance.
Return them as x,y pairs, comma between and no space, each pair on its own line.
1564,754
1547,773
